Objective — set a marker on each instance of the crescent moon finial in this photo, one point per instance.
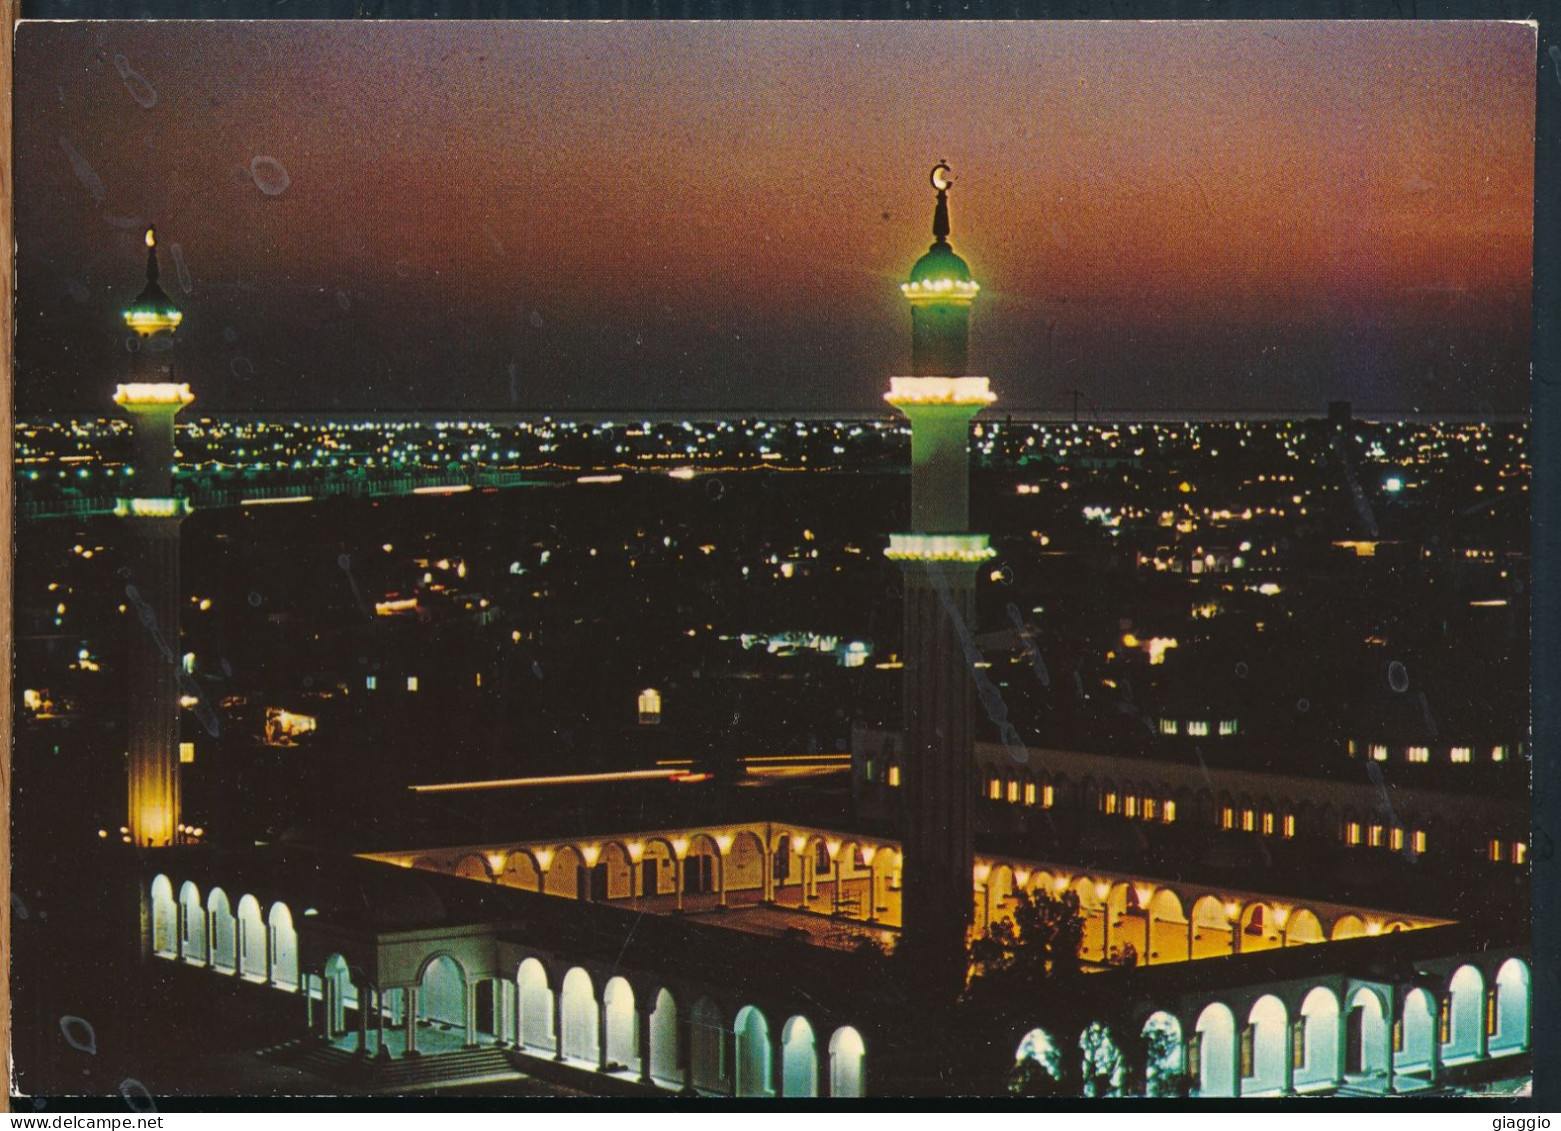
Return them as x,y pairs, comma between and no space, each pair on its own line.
940,176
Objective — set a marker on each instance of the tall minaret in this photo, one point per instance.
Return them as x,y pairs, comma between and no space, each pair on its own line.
152,521
939,558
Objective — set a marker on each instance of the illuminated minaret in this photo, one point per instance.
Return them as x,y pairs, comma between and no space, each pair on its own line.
939,557
152,521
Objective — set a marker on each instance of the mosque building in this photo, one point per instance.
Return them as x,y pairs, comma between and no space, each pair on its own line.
666,959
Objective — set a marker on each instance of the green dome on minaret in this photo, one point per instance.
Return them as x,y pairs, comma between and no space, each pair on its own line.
940,291
940,262
152,311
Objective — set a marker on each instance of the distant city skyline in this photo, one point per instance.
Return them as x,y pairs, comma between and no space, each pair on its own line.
581,216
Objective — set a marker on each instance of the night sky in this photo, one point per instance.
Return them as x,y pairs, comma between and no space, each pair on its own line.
599,216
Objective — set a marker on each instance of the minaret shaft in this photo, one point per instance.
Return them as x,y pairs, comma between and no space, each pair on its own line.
152,678
939,853
152,604
939,559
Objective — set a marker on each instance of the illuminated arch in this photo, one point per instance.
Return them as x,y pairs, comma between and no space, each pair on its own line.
1169,936
577,1012
1212,930
535,1002
192,925
702,844
1259,928
473,867
165,919
1216,1037
1100,1061
1466,1026
664,1068
745,862
1164,1061
799,1058
883,902
1419,1020
847,1064
252,960
521,870
753,1052
441,994
1368,1023
222,932
1270,1025
1320,1039
1512,1008
1348,927
563,872
1304,927
999,890
623,1034
1037,1064
337,993
617,863
284,946
663,876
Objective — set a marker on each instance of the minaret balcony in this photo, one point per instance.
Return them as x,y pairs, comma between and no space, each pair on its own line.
911,391
961,291
151,508
149,395
939,548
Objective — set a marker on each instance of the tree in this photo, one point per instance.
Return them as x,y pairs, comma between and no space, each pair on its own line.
1037,947
1018,967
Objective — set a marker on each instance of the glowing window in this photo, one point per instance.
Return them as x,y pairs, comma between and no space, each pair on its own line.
370,682
1461,754
1374,836
1013,791
1227,726
1248,820
1498,754
1130,806
1379,753
1495,851
1395,839
1352,833
1417,840
1029,793
1268,824
1149,808
1110,803
411,683
1168,726
1288,826
994,789
186,752
1227,818
1519,852
1046,796
894,775
1350,748
1421,754
649,705
1170,812
1198,727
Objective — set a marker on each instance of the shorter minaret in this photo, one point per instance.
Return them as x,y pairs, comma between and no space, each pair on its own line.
152,519
939,557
